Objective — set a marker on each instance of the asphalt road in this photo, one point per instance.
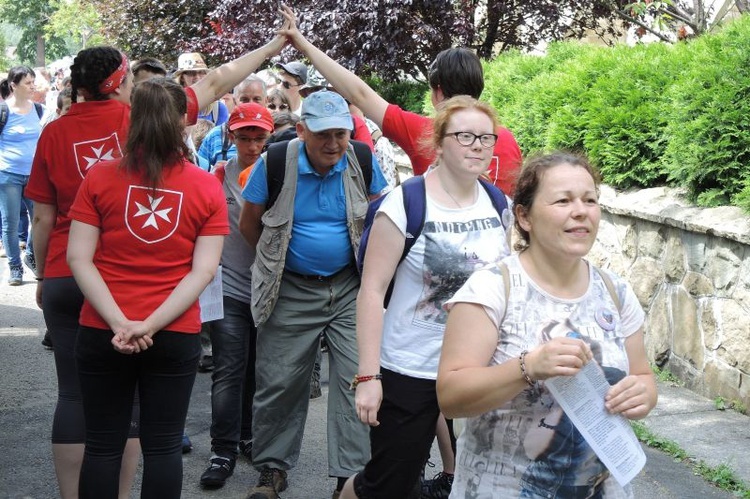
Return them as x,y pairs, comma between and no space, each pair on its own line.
27,400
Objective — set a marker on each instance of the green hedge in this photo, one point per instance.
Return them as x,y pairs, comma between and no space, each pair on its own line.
408,95
647,115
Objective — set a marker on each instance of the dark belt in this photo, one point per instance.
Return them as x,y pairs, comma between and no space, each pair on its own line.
321,278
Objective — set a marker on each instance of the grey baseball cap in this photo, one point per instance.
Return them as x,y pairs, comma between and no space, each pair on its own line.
295,68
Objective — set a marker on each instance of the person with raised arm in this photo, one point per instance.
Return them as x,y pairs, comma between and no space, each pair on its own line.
455,71
93,131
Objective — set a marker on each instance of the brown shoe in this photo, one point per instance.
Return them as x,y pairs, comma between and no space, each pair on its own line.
270,483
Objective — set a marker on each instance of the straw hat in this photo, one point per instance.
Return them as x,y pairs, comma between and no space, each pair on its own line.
190,61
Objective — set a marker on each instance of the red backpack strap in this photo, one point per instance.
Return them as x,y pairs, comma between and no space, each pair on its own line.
220,172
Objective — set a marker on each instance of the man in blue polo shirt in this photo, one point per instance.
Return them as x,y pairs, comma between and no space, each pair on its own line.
305,283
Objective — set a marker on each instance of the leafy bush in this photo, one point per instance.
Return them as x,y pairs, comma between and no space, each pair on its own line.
646,115
409,95
709,146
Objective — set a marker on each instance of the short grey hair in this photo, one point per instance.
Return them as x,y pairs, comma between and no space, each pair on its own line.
249,81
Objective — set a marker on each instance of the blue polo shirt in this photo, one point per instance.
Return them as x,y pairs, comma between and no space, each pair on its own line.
211,147
320,238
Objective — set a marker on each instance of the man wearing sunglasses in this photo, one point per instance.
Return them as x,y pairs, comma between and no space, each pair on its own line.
293,75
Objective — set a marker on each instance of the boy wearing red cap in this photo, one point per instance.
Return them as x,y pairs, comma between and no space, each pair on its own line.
233,337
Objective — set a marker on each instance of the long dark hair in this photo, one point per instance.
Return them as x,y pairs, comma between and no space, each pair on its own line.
155,140
15,75
90,68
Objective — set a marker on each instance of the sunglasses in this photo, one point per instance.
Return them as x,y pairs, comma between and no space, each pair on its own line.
194,73
280,107
288,85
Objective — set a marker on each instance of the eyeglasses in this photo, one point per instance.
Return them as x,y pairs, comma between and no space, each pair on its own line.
250,140
288,85
280,107
467,138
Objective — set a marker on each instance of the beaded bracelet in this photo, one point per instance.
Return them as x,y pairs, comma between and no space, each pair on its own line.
358,378
522,359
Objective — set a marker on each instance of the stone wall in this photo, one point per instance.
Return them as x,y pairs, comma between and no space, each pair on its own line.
690,269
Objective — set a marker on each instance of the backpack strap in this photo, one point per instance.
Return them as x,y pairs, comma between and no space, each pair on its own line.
4,112
499,201
225,143
503,267
506,285
415,207
415,201
215,112
364,157
275,170
610,287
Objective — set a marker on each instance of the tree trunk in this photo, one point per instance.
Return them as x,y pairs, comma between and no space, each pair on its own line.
40,62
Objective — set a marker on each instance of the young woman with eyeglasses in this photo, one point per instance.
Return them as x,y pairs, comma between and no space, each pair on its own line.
462,232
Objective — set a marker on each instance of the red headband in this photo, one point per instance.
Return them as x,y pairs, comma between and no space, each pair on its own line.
113,81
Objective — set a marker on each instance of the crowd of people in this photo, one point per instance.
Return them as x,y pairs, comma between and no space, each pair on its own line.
257,184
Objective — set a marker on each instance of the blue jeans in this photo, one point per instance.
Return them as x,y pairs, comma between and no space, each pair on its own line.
233,387
11,197
164,375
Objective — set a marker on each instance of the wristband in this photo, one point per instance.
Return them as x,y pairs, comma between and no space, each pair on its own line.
522,360
359,378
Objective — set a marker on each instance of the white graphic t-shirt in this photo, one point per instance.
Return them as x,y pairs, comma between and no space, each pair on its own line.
453,244
528,448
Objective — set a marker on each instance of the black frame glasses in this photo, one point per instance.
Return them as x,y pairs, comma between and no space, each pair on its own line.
467,139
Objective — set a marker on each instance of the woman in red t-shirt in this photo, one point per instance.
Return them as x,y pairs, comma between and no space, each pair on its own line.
90,132
145,240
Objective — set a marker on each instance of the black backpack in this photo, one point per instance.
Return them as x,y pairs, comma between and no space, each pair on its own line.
5,112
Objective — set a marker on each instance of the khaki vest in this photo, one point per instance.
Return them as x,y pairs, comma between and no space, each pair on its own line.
277,229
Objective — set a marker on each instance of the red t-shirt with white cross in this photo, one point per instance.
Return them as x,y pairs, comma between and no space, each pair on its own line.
69,146
147,236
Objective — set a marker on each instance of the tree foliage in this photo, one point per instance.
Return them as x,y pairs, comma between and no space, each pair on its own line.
76,20
4,62
671,20
395,38
155,28
392,39
31,16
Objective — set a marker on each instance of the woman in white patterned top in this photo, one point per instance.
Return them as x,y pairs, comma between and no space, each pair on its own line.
556,314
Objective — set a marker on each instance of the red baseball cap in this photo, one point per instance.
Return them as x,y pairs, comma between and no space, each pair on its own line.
250,114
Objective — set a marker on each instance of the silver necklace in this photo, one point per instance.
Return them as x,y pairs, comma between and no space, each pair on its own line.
442,186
